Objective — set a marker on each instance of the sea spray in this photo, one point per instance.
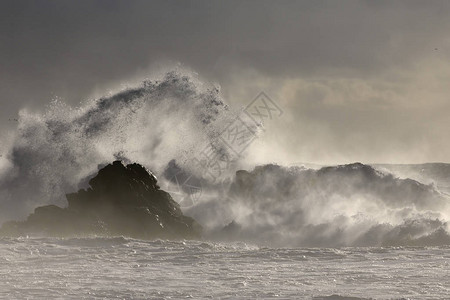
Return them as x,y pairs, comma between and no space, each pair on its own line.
163,123
152,123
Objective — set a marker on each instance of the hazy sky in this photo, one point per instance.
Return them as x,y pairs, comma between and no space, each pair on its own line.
358,80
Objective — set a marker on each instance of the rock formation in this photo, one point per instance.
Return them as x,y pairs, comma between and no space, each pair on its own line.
121,200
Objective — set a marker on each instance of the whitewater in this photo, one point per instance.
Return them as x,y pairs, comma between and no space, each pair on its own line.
333,232
121,268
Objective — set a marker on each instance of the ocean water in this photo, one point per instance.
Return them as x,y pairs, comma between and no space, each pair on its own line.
169,119
122,268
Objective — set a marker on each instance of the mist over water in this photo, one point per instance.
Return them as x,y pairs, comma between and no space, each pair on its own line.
151,123
163,123
350,205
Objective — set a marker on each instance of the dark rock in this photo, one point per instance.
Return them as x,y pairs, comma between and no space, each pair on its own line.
121,200
230,231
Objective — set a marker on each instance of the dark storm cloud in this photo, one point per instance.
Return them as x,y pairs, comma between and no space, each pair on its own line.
67,49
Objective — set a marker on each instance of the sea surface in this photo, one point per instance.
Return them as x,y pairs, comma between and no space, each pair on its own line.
122,268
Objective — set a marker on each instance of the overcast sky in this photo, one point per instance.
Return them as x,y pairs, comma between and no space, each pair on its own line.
358,80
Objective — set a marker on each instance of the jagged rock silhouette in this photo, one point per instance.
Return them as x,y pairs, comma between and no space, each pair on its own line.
121,200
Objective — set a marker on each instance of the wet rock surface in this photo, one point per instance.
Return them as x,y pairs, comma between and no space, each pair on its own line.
121,200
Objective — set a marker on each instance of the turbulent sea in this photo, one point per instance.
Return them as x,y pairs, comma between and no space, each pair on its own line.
121,268
299,232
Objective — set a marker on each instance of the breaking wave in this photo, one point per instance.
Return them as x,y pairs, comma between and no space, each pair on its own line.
163,123
161,119
348,205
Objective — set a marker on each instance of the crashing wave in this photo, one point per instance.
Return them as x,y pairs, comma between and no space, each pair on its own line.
163,124
349,205
171,117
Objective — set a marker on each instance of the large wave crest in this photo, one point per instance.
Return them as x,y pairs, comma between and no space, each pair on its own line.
163,123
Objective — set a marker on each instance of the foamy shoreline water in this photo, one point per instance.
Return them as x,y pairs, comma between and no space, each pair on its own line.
91,268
